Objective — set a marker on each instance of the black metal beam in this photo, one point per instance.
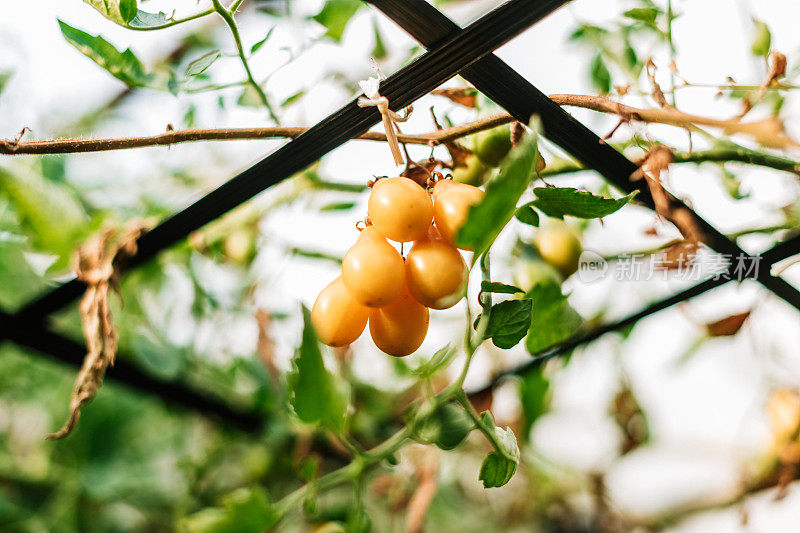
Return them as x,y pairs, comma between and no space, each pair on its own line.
126,373
518,96
430,70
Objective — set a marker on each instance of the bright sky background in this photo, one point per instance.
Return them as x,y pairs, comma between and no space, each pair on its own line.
707,416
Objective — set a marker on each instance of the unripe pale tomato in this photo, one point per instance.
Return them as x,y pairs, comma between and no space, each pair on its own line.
400,209
240,245
372,270
531,272
451,203
436,273
472,173
784,414
492,146
399,328
560,247
337,318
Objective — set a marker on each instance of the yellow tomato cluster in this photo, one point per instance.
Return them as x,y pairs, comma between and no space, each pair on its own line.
392,293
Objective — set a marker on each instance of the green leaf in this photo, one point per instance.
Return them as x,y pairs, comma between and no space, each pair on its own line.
601,78
438,360
488,218
201,64
446,427
5,75
120,11
498,468
762,39
379,50
553,320
527,215
643,14
313,391
124,66
559,202
497,287
508,323
246,510
144,20
49,210
261,43
293,98
533,392
337,206
127,13
249,97
335,15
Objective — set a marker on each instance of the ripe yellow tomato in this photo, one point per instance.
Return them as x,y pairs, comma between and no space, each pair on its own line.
372,270
400,209
560,247
399,328
436,273
337,318
451,203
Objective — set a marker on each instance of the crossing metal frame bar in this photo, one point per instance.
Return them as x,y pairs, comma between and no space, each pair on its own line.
451,50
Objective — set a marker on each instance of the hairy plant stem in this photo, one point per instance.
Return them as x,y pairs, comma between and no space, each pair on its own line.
227,16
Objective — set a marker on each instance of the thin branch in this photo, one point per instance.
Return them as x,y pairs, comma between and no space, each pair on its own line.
768,131
72,146
725,152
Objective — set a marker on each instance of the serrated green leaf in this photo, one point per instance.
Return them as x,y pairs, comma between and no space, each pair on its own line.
201,64
313,391
508,323
488,218
498,468
553,320
559,202
124,66
246,510
335,15
601,77
497,287
527,215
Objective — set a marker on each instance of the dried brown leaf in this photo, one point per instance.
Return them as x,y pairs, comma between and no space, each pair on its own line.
727,326
464,96
678,256
655,88
98,263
